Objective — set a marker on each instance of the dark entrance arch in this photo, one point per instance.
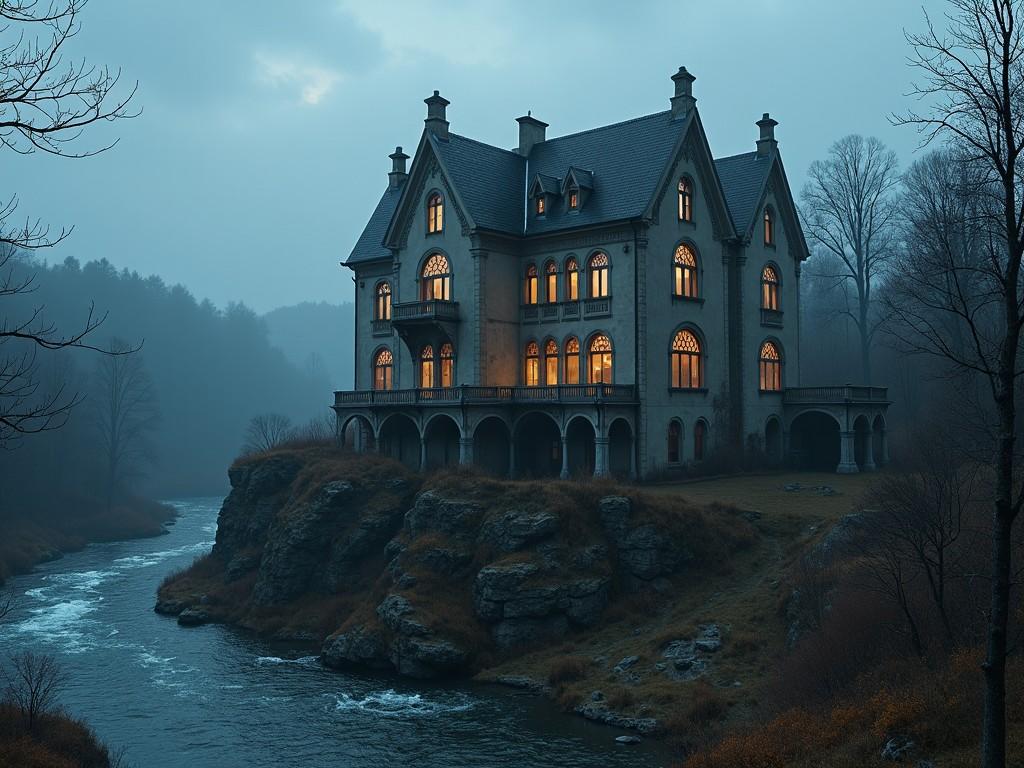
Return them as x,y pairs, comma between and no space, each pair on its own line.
492,445
538,446
400,439
442,438
878,447
814,442
773,440
357,434
579,436
620,448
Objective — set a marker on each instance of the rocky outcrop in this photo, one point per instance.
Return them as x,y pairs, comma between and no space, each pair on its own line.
645,553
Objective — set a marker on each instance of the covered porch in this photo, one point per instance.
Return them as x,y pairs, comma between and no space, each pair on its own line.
839,429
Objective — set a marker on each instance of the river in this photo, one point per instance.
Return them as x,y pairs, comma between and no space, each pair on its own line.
215,696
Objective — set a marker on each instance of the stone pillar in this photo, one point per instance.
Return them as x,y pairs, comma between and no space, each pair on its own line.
564,474
423,453
884,445
847,463
632,458
512,461
600,457
465,450
869,459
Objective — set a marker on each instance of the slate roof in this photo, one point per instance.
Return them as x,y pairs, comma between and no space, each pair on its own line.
743,178
370,244
490,181
549,184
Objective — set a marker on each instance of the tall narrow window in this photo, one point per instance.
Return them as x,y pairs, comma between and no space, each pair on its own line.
598,268
437,279
572,361
572,280
770,368
675,440
530,285
447,365
700,436
382,307
427,367
532,368
551,363
600,371
769,226
769,288
383,370
435,213
686,361
540,205
551,282
574,199
685,200
684,272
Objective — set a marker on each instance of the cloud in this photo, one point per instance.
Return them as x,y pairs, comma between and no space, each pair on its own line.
310,81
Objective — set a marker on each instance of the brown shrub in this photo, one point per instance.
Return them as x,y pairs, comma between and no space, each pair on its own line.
621,699
568,669
706,706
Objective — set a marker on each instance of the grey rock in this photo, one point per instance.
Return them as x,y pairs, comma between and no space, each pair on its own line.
394,612
628,739
597,696
615,512
626,663
170,607
241,564
193,617
427,657
710,639
513,531
897,748
495,584
358,646
432,513
517,633
523,682
443,560
598,712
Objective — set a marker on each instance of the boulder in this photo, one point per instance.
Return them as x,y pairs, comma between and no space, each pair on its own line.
433,513
897,748
193,617
360,646
599,713
513,531
394,613
170,607
627,739
518,633
424,657
645,554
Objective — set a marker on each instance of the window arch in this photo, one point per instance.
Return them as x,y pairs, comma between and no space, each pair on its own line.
551,282
382,302
383,369
435,213
598,268
551,362
687,368
685,199
447,365
770,367
600,370
700,439
530,285
769,225
769,287
572,278
572,360
532,367
427,367
675,441
684,272
437,279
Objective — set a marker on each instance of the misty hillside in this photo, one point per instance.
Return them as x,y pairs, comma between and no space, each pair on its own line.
316,338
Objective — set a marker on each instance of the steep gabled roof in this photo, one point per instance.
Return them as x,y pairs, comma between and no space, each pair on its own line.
490,181
370,245
743,180
548,185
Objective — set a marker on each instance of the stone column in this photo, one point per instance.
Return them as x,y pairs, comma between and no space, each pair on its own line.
564,474
465,450
600,457
869,459
632,458
847,463
423,453
884,445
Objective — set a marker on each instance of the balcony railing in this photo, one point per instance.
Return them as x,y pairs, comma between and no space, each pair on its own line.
562,394
419,311
771,317
597,307
844,394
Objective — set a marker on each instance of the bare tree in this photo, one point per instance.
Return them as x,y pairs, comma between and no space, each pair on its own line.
972,74
7,602
848,212
34,682
125,413
266,432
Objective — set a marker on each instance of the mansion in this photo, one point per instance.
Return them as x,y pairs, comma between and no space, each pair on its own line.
615,301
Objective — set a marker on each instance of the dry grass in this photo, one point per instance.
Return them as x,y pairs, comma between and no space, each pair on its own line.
568,670
57,741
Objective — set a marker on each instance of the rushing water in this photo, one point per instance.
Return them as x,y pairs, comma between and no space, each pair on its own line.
213,696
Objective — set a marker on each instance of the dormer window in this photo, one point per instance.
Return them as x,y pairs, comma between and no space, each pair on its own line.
574,199
540,205
435,213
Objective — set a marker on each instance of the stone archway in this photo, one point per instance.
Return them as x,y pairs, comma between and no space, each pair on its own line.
441,436
580,447
862,453
814,441
399,438
773,440
538,446
356,434
492,446
620,449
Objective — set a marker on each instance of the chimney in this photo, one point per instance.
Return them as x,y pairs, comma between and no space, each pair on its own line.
436,121
683,101
531,133
398,173
767,141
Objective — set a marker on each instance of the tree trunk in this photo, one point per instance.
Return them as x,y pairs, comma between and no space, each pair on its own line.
865,344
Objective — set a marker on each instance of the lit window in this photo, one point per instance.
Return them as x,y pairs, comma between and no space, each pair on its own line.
572,276
700,434
437,279
598,267
540,205
382,307
770,368
769,227
383,370
427,367
551,363
769,288
572,361
675,440
686,361
447,365
530,286
551,280
685,200
574,200
684,272
435,213
532,370
600,371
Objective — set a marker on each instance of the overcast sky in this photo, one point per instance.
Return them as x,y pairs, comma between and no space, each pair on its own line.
263,144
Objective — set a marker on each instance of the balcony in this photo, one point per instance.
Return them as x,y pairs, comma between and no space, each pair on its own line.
563,394
601,307
771,318
835,395
381,327
430,311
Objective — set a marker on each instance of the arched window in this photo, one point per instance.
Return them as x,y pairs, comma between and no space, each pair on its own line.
572,277
770,368
769,288
530,285
383,369
447,365
700,438
427,367
551,282
769,226
437,279
572,361
435,213
382,305
675,441
600,371
532,369
684,272
685,200
598,268
551,363
686,361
